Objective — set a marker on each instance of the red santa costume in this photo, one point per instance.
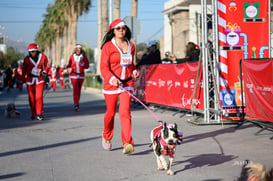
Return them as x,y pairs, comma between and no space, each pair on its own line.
77,63
19,78
53,77
32,70
61,71
117,65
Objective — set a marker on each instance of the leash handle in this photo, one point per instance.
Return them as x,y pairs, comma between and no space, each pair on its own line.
141,104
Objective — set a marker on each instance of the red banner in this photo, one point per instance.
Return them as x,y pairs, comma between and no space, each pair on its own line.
258,88
170,85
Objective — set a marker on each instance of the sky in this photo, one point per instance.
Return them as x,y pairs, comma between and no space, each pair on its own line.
21,20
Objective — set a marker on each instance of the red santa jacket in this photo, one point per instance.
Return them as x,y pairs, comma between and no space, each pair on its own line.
77,64
113,65
32,71
61,73
53,74
19,76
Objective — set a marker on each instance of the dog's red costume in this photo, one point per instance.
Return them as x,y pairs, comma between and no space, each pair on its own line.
117,65
32,75
77,63
168,150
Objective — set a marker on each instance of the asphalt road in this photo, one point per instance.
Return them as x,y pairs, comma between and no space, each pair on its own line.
66,146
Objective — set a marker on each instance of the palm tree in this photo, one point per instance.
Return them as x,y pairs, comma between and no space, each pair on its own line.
116,9
134,8
74,9
61,17
102,26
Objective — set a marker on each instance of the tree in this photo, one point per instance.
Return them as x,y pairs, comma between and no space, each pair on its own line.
60,28
102,26
10,58
116,9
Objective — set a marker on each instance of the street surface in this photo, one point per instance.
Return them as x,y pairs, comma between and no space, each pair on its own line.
66,146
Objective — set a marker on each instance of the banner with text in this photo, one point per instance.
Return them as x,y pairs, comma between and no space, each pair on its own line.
258,88
170,85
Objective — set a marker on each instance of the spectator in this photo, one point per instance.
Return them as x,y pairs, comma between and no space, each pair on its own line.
152,56
8,79
167,58
192,54
139,56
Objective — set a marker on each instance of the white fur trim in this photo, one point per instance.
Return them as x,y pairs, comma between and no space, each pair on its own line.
111,80
117,91
33,49
120,24
78,46
135,71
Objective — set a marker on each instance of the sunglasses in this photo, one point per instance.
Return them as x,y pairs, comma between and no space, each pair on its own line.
121,28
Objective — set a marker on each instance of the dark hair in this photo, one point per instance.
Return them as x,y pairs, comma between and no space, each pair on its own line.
82,51
109,35
192,47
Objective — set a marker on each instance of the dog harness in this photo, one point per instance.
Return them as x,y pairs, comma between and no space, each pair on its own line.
168,150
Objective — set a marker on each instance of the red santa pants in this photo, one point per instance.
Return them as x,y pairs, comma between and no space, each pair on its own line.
77,86
35,98
53,85
62,83
111,101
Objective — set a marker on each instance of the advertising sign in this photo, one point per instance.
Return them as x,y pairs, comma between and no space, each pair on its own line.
170,85
243,33
258,88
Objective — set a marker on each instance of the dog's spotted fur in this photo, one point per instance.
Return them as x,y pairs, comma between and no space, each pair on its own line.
164,140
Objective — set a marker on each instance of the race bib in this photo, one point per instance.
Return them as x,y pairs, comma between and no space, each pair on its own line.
125,60
35,71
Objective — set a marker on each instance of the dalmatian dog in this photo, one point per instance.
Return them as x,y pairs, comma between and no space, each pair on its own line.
164,139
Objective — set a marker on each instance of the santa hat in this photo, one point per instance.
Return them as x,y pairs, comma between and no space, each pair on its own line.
32,47
116,23
78,46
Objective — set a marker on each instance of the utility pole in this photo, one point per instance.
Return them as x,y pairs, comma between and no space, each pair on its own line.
134,14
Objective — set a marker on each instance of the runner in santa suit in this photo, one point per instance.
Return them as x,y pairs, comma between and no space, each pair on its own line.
19,78
53,77
34,66
77,62
117,68
61,73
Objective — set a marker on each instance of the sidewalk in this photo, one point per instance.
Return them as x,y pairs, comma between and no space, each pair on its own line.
67,145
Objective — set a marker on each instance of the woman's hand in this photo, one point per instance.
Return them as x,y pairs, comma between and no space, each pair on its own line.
135,75
116,82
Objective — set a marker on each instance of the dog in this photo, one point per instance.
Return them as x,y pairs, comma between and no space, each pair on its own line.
255,171
11,112
164,139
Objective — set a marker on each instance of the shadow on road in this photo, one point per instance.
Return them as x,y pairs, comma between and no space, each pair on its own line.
26,150
12,175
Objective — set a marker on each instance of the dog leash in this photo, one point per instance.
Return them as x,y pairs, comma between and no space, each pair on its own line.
141,104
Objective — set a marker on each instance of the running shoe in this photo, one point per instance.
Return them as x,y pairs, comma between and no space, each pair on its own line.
76,107
40,117
106,144
128,148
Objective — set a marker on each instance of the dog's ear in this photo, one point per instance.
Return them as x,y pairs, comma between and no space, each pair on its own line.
165,131
175,126
164,125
